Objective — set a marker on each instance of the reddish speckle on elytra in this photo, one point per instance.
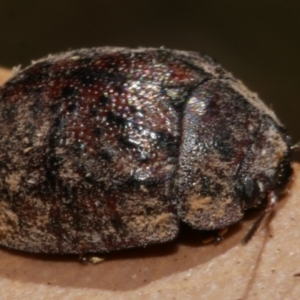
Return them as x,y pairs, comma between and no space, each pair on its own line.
111,148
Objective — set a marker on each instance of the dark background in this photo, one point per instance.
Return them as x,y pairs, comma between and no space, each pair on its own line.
258,41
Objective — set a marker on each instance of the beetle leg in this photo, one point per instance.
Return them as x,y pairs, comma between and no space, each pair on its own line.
296,147
216,236
272,200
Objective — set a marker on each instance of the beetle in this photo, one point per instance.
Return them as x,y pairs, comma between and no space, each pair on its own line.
110,148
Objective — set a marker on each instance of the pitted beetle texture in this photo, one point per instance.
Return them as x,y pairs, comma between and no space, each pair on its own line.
111,148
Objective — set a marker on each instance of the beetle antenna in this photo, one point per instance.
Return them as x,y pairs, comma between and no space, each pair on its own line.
272,200
296,147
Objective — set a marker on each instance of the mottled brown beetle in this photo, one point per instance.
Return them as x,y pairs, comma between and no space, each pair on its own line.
111,148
